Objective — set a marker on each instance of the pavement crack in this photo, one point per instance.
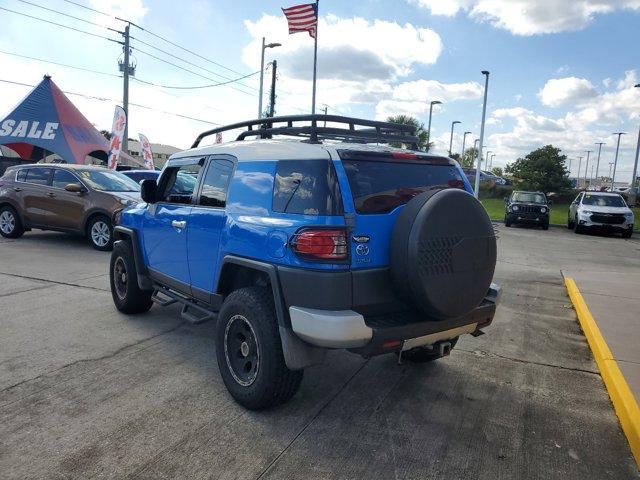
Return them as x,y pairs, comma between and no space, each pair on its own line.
93,359
26,277
311,420
484,353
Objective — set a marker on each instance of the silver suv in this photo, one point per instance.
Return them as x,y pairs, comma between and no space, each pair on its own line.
603,210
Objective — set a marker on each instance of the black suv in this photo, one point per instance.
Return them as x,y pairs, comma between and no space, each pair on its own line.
526,207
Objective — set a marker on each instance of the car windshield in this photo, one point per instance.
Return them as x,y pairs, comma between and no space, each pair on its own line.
603,200
526,197
108,181
380,186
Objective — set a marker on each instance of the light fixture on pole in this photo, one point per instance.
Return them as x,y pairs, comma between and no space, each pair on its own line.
598,161
453,124
434,102
264,47
586,167
484,113
615,160
634,177
464,141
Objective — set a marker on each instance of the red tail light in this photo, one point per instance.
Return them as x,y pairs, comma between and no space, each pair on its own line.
321,243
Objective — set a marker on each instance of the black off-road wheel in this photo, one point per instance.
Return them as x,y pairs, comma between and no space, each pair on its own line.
507,223
100,233
128,297
425,354
545,226
249,351
10,224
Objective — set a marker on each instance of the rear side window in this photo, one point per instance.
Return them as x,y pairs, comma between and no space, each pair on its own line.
38,176
379,186
308,187
216,183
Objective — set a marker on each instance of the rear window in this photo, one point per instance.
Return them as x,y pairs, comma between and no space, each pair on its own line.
307,187
380,186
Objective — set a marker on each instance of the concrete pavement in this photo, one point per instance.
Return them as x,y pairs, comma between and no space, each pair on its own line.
88,392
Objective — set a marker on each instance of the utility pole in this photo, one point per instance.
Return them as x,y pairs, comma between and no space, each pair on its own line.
464,141
264,47
272,107
453,124
598,162
125,91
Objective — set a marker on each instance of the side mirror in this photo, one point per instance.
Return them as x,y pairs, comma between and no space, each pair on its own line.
74,188
148,189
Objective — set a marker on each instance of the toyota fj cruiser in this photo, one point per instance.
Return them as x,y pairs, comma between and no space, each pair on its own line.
297,247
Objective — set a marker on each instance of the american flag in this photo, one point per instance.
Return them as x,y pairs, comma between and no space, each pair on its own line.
302,18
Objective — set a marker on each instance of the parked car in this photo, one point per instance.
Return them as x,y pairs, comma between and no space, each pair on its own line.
139,175
600,210
528,208
68,198
494,177
298,247
470,173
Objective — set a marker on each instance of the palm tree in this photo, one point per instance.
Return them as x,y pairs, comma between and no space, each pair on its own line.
421,133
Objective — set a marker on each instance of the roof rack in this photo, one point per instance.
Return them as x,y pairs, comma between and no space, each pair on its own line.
374,132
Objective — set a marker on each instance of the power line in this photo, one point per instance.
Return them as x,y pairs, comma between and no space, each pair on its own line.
195,87
89,8
60,64
62,13
187,61
59,25
104,99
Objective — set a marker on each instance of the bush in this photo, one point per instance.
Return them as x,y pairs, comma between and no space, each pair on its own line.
490,190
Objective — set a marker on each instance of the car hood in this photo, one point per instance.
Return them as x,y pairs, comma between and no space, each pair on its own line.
525,204
135,196
599,209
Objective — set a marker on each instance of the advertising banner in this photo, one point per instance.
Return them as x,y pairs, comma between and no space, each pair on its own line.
117,134
145,150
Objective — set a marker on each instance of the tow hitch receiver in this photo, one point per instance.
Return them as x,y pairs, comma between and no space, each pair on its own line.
444,348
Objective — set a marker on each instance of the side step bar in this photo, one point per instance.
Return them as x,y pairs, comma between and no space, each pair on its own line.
191,311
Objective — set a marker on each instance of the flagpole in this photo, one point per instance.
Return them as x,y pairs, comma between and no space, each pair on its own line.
315,61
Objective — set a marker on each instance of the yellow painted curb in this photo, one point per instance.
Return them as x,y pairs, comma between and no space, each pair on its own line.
624,403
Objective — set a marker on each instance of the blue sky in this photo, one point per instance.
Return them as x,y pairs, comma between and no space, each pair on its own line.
561,72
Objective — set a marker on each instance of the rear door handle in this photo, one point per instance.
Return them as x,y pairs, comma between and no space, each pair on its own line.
17,189
178,224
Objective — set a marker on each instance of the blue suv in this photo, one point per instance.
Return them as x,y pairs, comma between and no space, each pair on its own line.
305,234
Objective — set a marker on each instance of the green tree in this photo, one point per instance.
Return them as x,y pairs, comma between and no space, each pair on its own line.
497,171
543,170
423,136
469,157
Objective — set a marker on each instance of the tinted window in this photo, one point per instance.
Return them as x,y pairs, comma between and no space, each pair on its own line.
22,175
181,183
380,186
309,187
603,200
216,183
61,178
39,176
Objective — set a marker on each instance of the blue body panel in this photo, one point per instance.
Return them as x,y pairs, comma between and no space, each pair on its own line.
248,228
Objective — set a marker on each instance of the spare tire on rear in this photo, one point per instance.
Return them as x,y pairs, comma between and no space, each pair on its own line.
443,253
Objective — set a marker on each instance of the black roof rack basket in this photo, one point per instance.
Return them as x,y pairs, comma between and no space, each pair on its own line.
314,129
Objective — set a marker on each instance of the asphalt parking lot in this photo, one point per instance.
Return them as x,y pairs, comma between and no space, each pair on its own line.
87,392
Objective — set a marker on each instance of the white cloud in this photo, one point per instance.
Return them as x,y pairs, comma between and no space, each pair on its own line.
530,17
434,90
566,91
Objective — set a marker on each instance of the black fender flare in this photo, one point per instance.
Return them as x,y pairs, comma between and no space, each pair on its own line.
121,234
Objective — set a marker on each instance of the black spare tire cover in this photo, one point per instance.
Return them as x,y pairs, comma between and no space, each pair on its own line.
443,253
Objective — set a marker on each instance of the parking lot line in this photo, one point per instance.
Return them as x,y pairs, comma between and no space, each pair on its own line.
624,402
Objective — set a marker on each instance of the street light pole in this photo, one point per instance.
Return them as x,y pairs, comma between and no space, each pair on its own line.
491,161
453,124
486,160
586,167
484,113
569,168
578,176
598,162
464,141
635,160
615,160
264,47
434,102
610,165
